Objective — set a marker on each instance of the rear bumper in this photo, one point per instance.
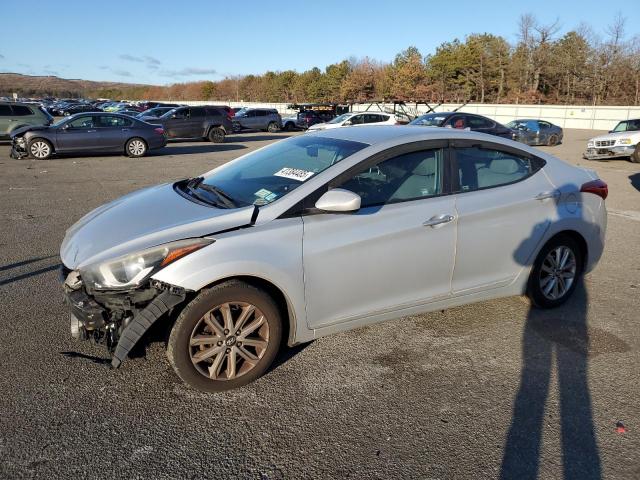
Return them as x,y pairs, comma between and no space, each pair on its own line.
608,152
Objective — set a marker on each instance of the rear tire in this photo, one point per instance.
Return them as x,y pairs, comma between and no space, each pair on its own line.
555,273
40,149
635,156
272,127
135,148
240,352
553,141
216,135
289,127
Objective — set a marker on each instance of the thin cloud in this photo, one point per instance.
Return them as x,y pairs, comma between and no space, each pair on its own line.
103,67
1,56
151,60
188,72
153,67
122,73
131,58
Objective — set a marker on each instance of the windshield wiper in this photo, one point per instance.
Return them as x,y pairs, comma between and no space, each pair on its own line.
222,195
196,183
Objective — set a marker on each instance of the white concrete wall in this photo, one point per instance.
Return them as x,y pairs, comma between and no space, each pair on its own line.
566,116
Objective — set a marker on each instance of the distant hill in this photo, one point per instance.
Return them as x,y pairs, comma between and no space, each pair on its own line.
43,86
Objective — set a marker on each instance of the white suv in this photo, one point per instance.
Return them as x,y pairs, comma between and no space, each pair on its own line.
355,118
622,141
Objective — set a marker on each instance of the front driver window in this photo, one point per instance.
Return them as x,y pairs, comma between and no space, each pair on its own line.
406,177
82,122
358,119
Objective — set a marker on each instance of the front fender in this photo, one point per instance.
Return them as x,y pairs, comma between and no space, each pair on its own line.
271,252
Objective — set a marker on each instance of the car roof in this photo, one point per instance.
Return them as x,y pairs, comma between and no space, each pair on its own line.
376,134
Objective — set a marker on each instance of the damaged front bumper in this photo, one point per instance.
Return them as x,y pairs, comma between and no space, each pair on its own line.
18,148
599,153
116,319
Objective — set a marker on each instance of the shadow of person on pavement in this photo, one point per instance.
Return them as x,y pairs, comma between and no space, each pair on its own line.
559,334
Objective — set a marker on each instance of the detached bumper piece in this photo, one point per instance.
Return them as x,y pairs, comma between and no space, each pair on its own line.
18,149
142,322
600,153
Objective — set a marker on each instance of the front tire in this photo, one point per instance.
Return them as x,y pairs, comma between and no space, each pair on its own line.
225,338
40,149
136,148
635,156
272,127
555,273
216,135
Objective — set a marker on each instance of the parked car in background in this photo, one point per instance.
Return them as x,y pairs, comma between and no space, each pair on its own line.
304,120
326,232
266,119
15,115
94,132
77,108
130,113
463,121
206,122
622,141
356,119
142,106
114,107
535,132
153,113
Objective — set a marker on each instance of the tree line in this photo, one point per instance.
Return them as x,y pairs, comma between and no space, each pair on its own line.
542,66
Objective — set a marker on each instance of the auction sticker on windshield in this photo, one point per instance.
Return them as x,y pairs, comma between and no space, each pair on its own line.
294,174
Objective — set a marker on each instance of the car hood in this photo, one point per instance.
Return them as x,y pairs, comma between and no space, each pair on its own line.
615,136
144,219
324,126
28,128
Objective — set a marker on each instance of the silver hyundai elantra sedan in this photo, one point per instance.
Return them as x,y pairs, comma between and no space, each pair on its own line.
326,232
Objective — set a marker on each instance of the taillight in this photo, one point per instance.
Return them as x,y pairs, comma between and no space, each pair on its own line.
598,187
159,131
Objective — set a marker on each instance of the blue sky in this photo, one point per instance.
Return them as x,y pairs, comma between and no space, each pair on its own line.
163,42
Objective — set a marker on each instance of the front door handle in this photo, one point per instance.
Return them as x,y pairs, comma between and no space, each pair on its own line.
91,131
546,195
125,129
438,220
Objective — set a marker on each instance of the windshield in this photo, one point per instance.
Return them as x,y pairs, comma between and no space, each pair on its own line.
168,114
341,118
627,126
523,125
429,120
270,173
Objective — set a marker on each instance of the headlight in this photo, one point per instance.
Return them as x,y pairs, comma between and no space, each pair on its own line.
624,141
131,270
590,143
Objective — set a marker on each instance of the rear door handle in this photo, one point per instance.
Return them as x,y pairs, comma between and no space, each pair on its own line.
546,195
91,131
125,129
438,220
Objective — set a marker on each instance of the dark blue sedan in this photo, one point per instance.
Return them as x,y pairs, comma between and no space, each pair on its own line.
88,133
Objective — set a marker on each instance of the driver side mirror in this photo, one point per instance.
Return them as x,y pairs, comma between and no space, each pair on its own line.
347,123
339,200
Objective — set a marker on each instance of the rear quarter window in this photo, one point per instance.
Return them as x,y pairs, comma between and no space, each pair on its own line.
21,110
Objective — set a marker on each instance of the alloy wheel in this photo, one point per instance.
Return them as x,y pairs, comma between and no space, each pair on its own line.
136,147
558,272
40,149
229,340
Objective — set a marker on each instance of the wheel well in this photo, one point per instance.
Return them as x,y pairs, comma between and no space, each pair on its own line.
275,293
582,243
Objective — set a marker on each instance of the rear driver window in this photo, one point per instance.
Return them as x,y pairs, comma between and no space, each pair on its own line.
5,111
484,168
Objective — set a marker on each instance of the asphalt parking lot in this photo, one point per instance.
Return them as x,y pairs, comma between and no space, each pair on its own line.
480,391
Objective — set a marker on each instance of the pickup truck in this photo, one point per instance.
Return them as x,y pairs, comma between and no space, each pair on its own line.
622,141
